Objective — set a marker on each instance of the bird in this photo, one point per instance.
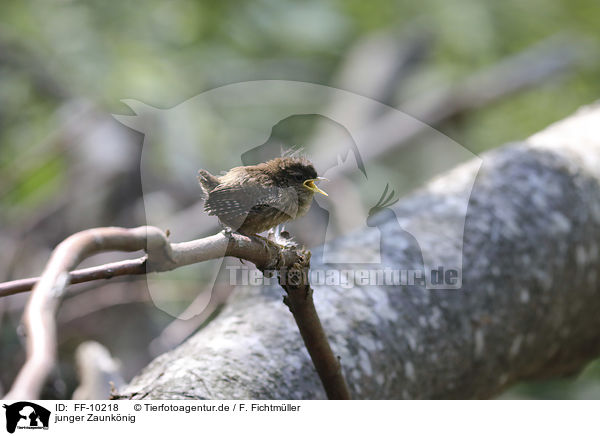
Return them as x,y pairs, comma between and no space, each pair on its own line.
254,198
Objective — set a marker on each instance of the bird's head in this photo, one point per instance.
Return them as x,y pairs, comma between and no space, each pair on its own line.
295,172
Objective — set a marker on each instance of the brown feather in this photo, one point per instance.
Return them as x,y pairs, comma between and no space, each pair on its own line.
255,198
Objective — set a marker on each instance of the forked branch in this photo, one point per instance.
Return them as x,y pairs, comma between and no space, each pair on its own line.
39,317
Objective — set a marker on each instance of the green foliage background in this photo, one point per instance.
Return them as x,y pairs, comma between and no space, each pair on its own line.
163,52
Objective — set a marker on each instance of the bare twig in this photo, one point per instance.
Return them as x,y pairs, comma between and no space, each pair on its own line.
300,302
184,253
40,311
106,271
39,318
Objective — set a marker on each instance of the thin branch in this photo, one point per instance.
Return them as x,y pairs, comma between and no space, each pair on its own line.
106,271
185,253
39,318
299,300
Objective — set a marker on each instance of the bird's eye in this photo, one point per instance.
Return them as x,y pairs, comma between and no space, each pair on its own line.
299,177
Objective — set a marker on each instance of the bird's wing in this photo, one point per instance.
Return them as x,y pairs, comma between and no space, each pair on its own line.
283,200
235,202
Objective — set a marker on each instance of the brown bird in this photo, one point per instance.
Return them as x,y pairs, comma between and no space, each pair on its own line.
255,198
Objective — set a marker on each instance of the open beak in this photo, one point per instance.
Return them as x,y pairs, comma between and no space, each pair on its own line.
310,184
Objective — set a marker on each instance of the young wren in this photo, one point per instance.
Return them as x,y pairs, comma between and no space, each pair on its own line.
256,198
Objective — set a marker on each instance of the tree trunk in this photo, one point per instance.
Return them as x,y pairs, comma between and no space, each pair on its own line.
528,307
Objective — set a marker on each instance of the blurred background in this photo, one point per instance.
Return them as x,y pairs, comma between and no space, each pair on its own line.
481,72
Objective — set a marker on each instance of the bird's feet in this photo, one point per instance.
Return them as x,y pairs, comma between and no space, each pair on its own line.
276,238
282,237
269,240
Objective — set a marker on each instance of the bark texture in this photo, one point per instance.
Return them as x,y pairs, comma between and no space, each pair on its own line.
528,307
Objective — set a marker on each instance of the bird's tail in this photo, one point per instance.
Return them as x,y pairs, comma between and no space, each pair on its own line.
208,182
